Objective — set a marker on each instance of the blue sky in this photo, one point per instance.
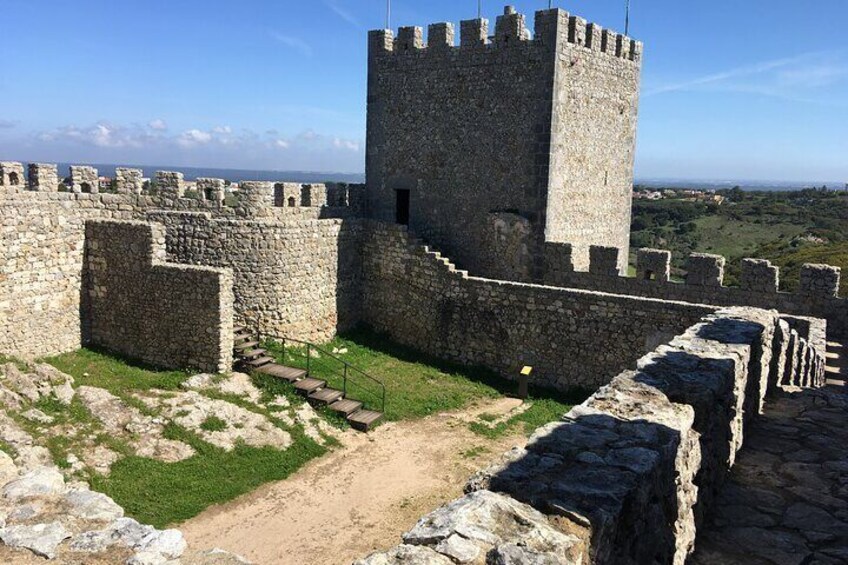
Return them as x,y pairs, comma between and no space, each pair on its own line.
750,89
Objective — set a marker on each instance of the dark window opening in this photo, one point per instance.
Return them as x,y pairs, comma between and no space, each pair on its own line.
14,179
85,187
209,193
292,202
650,276
402,207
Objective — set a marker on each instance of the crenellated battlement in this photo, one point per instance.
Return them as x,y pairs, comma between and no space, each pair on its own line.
170,189
551,27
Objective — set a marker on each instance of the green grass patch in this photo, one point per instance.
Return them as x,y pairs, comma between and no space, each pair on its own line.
21,365
119,376
213,424
162,494
475,452
417,385
542,411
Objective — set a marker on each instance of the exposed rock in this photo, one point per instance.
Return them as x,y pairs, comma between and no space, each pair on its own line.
238,384
168,543
8,470
41,481
147,558
313,425
192,409
37,416
41,539
213,557
121,419
91,505
406,555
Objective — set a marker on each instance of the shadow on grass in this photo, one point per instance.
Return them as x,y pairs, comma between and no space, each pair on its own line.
365,336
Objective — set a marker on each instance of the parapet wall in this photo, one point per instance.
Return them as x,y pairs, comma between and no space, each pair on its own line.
138,305
572,338
817,296
628,476
41,259
300,278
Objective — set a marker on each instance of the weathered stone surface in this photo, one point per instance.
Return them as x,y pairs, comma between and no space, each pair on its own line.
91,505
143,432
41,481
41,539
406,555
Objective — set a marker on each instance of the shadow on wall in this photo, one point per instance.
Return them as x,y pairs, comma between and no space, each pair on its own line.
608,481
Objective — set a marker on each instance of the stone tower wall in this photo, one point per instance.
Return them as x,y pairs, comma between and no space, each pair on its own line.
542,128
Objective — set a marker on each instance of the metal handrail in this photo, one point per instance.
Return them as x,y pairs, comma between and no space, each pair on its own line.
347,366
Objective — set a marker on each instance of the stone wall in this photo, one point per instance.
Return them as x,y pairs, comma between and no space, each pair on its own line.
541,128
299,279
571,337
817,296
628,476
140,306
41,256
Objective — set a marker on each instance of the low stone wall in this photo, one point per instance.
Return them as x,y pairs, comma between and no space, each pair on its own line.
628,476
138,305
571,337
298,279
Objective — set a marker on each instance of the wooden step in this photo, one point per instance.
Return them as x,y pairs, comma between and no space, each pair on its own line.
326,396
363,420
289,374
242,336
345,406
259,361
248,353
246,345
309,385
239,329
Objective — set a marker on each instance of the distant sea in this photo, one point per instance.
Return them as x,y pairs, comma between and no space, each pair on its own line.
235,175
769,185
232,175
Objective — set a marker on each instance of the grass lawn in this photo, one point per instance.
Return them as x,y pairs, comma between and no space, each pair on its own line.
162,493
736,239
416,385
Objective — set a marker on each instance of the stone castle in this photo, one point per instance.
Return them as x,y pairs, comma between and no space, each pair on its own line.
493,230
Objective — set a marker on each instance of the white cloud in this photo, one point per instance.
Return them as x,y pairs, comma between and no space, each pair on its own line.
345,144
293,42
217,146
158,124
800,78
342,13
194,136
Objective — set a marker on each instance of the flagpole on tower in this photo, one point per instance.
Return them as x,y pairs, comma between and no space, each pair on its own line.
388,14
479,9
627,19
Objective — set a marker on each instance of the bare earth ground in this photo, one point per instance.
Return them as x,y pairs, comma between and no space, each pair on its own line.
357,499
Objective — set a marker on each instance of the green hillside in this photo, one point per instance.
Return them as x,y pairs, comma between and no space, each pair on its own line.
788,228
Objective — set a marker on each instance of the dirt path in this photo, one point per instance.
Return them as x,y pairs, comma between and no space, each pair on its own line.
357,499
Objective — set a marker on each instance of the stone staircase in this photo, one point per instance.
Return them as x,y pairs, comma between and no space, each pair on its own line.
251,357
837,363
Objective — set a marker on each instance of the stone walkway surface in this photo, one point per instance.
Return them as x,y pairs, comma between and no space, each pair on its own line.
786,500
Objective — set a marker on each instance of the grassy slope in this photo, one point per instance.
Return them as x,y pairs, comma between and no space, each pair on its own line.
416,385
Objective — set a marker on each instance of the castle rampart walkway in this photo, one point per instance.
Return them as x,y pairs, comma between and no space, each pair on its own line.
786,500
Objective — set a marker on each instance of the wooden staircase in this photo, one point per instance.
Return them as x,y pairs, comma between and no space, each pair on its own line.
250,356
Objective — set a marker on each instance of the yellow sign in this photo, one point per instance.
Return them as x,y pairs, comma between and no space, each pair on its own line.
526,371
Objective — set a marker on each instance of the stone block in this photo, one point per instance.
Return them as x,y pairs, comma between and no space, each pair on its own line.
820,281
653,265
12,175
604,261
473,32
128,181
43,177
170,184
759,275
703,269
84,179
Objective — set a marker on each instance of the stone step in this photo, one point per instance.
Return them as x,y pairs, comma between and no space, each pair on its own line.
259,361
289,374
363,420
345,407
326,396
246,345
249,353
309,385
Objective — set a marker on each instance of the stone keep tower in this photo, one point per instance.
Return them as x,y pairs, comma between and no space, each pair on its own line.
492,148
